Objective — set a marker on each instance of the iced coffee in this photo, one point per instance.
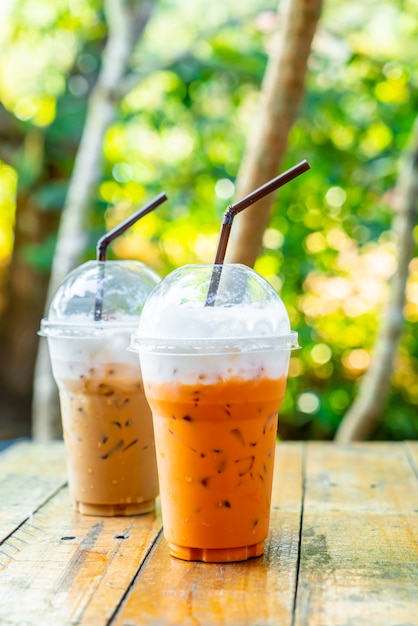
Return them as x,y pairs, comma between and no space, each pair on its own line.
107,423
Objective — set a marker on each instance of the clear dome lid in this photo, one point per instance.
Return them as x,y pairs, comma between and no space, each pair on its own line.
247,313
99,295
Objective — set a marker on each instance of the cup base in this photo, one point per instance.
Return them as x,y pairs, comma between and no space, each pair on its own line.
113,510
216,555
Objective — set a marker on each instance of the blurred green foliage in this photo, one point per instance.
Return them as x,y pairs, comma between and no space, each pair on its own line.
182,127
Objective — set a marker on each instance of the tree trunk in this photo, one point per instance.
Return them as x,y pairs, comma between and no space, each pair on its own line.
360,421
281,96
126,22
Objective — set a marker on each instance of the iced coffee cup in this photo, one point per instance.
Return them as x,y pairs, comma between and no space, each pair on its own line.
106,419
215,377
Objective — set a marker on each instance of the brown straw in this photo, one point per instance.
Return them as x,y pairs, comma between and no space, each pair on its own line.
235,208
106,239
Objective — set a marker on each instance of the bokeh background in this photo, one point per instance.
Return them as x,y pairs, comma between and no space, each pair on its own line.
181,126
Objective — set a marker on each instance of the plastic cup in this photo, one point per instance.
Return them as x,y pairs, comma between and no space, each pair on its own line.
107,423
215,377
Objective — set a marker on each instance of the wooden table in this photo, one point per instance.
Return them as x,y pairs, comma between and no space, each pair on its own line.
342,550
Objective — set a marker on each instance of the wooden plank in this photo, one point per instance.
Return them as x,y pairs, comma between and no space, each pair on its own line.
412,453
259,591
29,474
61,567
359,554
34,457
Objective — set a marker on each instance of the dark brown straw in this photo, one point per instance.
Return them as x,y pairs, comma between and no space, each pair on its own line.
104,241
120,228
235,208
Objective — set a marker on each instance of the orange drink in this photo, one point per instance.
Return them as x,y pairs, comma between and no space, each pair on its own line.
214,377
216,447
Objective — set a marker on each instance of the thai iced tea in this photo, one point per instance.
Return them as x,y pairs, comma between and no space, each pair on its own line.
215,450
215,376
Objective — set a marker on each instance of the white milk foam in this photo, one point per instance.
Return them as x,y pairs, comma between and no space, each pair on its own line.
213,368
178,332
74,357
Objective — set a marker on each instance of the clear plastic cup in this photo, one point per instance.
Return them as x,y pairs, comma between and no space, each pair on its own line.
106,419
215,377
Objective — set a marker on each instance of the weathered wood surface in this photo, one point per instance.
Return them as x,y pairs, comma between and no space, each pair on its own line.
359,550
342,550
61,567
412,452
260,591
30,473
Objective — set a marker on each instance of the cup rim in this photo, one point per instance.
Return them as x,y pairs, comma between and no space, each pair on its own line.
222,345
83,329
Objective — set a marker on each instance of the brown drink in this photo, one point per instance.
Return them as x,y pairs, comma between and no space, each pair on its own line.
107,423
108,431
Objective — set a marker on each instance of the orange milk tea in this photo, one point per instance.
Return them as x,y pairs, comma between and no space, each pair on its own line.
215,449
214,377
